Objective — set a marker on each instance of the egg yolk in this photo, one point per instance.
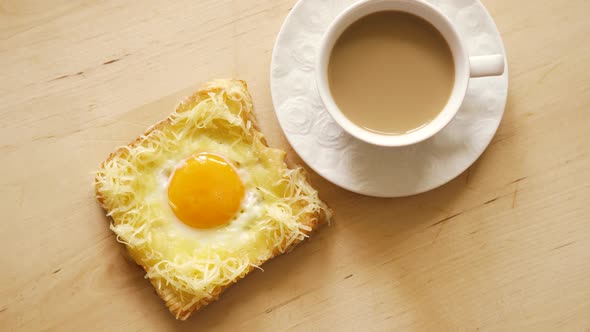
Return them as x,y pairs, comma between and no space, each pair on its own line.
205,192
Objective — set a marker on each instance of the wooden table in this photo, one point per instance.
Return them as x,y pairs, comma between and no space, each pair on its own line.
505,246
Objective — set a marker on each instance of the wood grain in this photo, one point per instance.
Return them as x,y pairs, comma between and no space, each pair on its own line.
505,246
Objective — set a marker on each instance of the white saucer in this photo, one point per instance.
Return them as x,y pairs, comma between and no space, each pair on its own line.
358,166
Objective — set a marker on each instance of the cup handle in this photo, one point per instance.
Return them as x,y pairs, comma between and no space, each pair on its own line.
486,65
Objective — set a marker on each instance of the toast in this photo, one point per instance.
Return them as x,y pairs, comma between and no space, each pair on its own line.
191,268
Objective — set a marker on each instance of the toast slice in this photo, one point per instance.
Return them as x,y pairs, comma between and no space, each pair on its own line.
190,268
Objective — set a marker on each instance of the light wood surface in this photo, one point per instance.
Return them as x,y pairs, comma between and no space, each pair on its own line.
505,246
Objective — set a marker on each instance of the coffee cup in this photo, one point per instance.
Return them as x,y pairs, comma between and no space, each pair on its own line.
465,68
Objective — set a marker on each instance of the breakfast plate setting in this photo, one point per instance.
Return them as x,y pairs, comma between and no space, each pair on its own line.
305,165
200,200
372,169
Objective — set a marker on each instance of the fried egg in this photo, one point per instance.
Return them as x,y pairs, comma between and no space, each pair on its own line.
207,198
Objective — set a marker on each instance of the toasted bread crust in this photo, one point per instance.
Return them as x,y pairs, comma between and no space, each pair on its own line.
170,296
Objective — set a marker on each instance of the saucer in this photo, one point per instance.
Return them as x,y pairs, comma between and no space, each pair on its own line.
361,167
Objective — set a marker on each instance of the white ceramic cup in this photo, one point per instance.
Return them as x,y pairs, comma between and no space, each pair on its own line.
466,67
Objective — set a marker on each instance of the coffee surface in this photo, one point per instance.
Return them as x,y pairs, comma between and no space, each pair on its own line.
391,72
